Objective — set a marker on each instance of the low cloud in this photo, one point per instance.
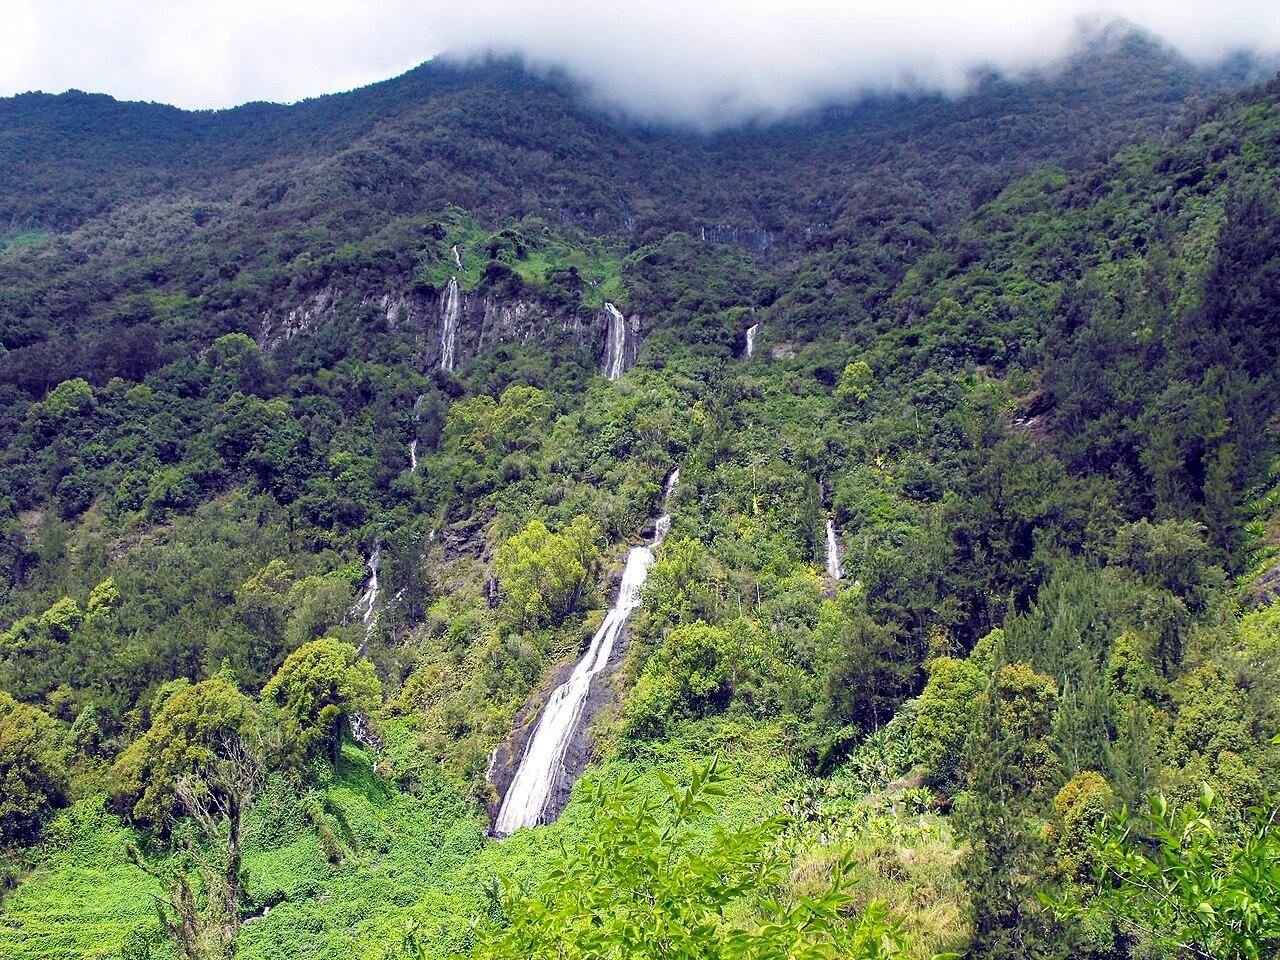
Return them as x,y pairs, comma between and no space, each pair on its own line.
717,62
705,63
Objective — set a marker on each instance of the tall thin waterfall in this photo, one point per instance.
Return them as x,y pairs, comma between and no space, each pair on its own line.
833,552
413,444
457,257
450,308
542,766
366,608
615,357
751,339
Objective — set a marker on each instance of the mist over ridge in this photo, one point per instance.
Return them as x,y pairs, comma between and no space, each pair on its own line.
704,66
662,62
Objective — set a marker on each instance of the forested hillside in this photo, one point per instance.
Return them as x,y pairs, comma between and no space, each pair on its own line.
937,439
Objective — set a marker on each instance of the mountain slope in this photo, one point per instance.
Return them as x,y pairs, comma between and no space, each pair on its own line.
950,570
498,141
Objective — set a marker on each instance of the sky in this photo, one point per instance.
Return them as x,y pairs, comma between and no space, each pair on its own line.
705,63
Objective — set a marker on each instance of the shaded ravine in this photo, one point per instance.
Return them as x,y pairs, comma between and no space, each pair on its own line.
542,770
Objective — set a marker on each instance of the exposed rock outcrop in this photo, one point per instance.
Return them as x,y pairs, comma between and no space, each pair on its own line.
483,321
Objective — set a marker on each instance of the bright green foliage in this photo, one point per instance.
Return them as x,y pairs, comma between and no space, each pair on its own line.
682,585
1024,707
33,776
1175,878
18,239
1079,808
648,882
234,363
1260,631
543,574
483,428
1042,420
855,384
690,673
1026,700
62,406
944,716
191,728
1212,715
1131,667
318,687
103,601
574,271
396,848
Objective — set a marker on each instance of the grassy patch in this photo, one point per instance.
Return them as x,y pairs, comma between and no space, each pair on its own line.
529,248
328,872
18,239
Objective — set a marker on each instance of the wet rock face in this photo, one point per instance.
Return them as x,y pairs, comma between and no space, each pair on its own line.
481,322
756,239
506,757
620,341
279,325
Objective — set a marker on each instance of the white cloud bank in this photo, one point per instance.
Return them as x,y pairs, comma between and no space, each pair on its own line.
705,62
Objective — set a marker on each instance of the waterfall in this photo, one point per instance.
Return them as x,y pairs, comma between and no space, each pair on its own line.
751,339
413,444
833,552
542,766
449,310
615,357
457,257
363,734
366,608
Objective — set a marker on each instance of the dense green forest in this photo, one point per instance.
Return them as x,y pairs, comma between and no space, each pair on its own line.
964,637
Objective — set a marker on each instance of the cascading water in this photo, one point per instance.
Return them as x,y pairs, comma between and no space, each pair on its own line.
751,339
833,552
615,357
542,765
366,608
457,257
450,308
413,444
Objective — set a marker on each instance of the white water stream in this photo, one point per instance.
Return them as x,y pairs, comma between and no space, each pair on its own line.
751,339
833,552
615,357
413,444
542,765
366,608
450,308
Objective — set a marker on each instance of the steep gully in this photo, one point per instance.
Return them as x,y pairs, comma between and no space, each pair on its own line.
541,774
366,608
833,552
541,770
